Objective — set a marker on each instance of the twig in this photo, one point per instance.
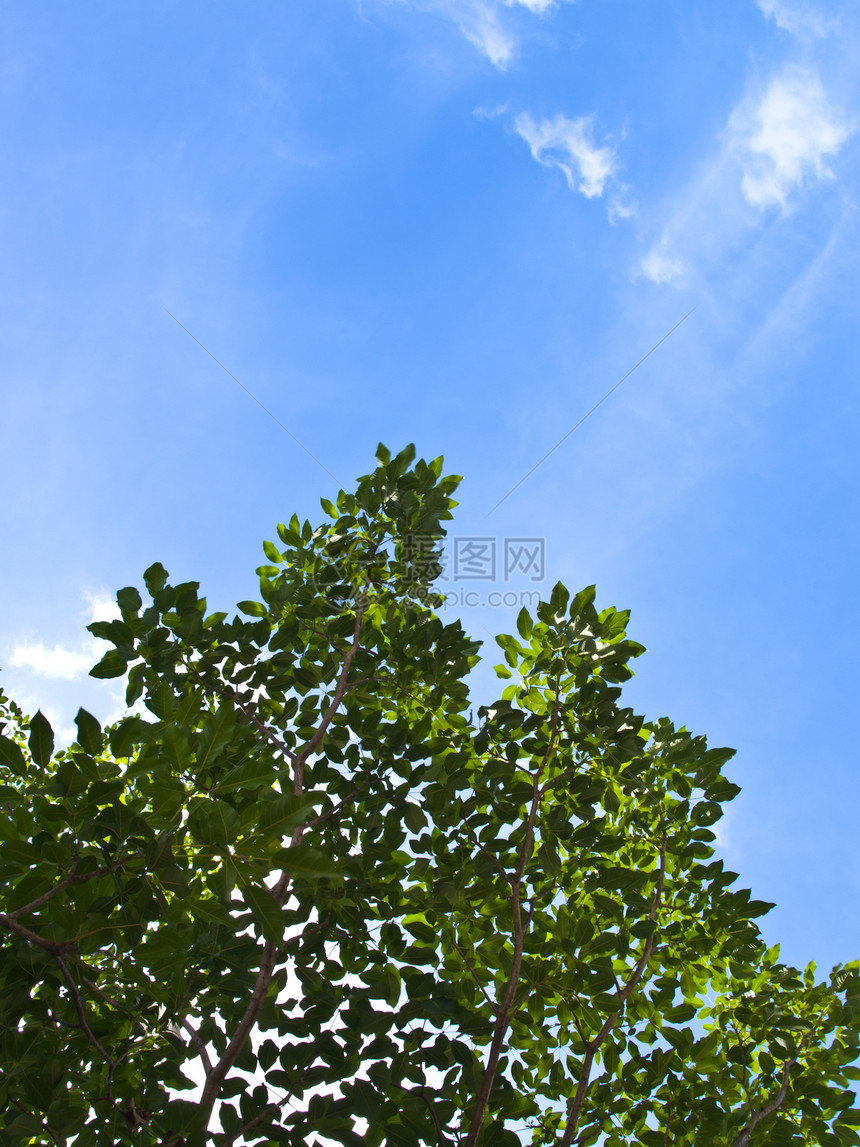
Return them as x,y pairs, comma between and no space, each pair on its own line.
246,1025
331,812
32,1115
493,1007
52,946
72,878
79,1008
200,1045
593,1046
503,1014
774,1105
232,694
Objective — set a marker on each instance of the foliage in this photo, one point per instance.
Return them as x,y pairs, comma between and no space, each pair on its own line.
306,874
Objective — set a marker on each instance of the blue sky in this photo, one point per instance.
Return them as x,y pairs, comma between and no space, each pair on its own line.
459,223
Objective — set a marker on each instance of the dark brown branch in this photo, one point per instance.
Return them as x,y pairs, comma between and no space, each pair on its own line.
493,1007
107,999
339,694
232,694
79,1008
335,809
774,1105
503,1014
54,947
494,860
32,1115
593,1046
422,1091
769,1108
199,1045
219,1072
72,878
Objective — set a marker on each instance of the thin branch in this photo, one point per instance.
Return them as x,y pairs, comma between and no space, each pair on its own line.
246,1025
497,864
422,1091
339,693
777,1102
503,1014
79,1008
72,878
332,812
56,948
494,1007
33,1115
561,776
200,1045
232,694
593,1046
107,999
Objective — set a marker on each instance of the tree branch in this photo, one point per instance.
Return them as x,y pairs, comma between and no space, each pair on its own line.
493,1007
232,694
769,1108
593,1046
56,948
200,1045
503,1013
79,1008
219,1072
72,878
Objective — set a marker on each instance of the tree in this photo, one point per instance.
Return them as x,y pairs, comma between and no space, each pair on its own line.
308,875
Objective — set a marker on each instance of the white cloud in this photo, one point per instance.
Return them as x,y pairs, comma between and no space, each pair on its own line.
538,6
797,21
101,606
777,141
783,138
569,145
660,266
483,24
619,207
479,23
490,112
60,662
56,662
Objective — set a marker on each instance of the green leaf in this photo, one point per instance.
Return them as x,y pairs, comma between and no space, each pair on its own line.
41,740
524,624
11,755
214,822
267,915
155,578
250,775
128,600
216,734
90,735
310,863
253,608
212,911
284,813
113,664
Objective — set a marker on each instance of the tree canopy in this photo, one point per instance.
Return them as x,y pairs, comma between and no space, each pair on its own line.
305,891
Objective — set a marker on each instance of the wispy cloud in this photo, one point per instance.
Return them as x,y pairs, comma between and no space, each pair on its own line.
54,662
799,21
660,266
783,138
568,144
58,661
778,141
484,22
